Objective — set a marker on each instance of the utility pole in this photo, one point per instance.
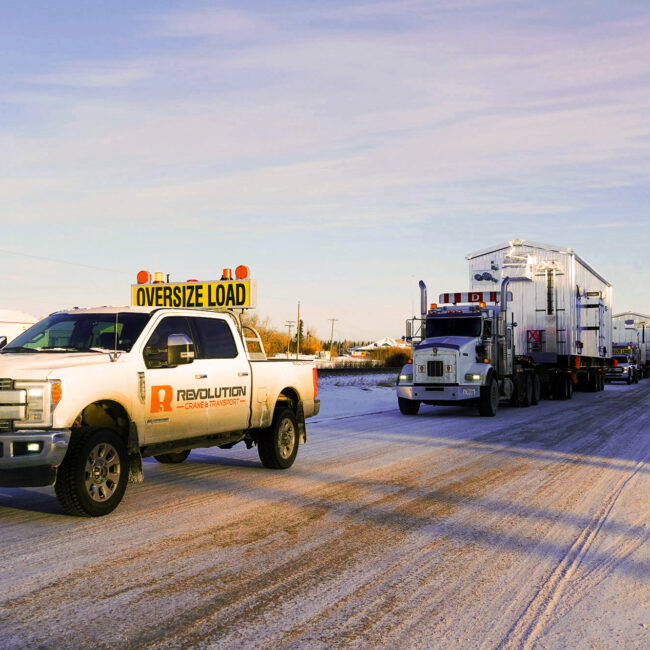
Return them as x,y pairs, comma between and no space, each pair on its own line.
332,335
298,333
289,324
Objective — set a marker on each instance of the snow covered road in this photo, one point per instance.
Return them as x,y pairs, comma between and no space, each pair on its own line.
439,530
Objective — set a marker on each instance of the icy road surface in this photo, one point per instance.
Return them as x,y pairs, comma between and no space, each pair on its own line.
441,530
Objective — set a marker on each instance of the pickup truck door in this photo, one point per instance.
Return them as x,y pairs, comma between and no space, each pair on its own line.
220,348
175,396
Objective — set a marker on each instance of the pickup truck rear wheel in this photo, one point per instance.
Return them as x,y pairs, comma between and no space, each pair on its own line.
278,445
408,406
93,475
173,457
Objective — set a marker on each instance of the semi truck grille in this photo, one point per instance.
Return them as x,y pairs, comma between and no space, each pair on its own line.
434,368
6,384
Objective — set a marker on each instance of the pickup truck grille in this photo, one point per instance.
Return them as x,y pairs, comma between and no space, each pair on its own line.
434,368
6,384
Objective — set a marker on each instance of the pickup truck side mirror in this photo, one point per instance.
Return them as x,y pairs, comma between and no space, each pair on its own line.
180,350
3,342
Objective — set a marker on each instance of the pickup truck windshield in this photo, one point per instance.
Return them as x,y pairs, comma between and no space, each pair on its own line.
453,327
80,332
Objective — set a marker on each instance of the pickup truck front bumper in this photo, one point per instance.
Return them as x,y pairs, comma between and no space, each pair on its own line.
30,458
439,393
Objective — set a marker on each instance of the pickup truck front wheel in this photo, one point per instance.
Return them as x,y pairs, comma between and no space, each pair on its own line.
278,445
93,475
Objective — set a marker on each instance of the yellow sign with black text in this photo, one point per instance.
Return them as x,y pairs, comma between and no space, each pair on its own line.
230,294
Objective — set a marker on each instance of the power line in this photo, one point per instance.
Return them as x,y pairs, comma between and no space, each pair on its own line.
51,259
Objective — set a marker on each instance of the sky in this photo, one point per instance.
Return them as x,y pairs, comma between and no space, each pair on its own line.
342,150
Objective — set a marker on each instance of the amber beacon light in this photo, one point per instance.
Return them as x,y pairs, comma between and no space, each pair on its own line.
242,272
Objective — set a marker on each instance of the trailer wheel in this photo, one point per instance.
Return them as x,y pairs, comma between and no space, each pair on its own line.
561,390
93,475
278,445
601,382
569,388
173,457
489,399
408,406
537,390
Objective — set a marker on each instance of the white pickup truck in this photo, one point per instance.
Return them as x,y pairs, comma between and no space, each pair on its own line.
85,394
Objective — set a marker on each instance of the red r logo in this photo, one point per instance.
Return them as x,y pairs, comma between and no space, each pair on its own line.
164,403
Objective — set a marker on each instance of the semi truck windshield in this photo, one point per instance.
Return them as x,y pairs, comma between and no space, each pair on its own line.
453,327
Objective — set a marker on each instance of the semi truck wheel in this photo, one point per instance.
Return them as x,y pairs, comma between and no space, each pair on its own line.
93,475
408,406
489,399
537,390
569,388
278,445
173,457
562,389
527,396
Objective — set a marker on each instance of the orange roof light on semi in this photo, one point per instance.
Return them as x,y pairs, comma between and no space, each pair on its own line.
144,277
433,305
482,305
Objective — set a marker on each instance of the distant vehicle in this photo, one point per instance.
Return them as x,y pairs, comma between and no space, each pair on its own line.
633,327
86,394
540,332
626,364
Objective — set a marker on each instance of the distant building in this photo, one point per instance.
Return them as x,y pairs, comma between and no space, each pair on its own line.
386,342
13,323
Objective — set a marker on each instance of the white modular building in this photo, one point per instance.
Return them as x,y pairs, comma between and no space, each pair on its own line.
561,305
13,323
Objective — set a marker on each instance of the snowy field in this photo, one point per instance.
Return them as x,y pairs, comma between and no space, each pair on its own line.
441,530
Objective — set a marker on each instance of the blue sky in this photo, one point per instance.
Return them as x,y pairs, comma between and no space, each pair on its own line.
342,150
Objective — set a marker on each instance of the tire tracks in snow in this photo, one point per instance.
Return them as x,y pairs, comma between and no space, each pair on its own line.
539,611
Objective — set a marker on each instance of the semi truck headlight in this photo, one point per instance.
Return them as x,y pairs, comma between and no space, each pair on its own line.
405,379
471,376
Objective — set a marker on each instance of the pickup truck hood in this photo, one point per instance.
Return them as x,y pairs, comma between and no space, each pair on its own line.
35,365
460,343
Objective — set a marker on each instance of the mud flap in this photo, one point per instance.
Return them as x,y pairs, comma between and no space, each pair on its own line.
300,419
136,473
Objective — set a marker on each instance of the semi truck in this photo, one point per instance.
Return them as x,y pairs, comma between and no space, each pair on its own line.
631,327
86,394
535,323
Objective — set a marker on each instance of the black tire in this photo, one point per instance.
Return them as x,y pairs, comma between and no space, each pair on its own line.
173,457
537,389
527,396
629,379
278,445
408,406
93,475
601,382
569,388
562,389
488,403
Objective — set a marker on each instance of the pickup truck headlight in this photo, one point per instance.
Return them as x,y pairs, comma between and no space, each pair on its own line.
42,398
473,376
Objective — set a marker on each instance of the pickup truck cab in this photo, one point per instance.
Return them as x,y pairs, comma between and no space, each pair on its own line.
85,394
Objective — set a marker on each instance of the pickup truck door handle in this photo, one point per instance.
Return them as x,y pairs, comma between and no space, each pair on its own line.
200,376
242,374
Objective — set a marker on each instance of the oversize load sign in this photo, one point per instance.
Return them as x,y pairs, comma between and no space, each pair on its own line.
204,295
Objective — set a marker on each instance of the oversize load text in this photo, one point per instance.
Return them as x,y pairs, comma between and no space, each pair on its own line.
195,294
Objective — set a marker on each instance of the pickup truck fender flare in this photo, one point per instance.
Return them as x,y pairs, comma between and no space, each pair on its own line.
291,398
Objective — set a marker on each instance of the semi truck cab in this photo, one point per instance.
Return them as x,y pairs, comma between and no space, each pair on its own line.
465,356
